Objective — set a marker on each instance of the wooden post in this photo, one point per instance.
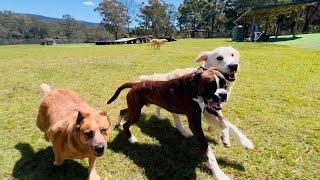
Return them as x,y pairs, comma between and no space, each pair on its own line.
252,28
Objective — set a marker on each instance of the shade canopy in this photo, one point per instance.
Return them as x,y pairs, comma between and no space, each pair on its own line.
269,11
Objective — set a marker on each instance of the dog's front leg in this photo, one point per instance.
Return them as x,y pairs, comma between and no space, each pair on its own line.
240,137
195,126
93,175
225,137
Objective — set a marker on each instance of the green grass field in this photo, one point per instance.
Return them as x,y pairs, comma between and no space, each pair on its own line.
276,102
301,40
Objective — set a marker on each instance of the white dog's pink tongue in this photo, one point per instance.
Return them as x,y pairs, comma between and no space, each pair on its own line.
213,105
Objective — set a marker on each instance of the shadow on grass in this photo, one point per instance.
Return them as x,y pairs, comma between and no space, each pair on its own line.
273,39
175,158
39,165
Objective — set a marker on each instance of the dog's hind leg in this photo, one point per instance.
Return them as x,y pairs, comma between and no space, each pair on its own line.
178,124
225,137
134,109
122,115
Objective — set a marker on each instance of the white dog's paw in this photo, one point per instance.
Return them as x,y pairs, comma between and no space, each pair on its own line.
226,141
185,132
218,175
159,117
132,139
93,176
222,177
246,143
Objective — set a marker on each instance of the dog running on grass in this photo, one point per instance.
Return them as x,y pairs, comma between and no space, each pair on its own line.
156,43
188,95
75,129
225,60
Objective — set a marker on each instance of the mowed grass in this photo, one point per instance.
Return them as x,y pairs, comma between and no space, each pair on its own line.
275,102
301,40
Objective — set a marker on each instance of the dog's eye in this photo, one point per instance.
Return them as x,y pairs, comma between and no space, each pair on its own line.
103,131
220,58
89,134
232,55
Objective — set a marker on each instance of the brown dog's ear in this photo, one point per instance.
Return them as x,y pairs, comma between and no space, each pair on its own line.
202,56
79,120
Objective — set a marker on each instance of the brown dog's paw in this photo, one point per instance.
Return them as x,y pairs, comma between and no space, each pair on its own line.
58,163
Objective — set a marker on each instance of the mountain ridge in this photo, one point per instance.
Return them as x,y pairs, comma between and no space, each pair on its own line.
46,18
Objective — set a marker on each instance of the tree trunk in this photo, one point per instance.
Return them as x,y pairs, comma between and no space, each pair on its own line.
212,25
116,35
306,22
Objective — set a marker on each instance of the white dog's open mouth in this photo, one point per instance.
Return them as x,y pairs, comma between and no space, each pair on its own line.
232,77
213,105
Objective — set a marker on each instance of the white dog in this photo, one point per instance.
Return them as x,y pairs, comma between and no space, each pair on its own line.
226,60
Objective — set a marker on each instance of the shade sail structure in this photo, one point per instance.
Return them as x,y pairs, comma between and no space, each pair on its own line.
269,11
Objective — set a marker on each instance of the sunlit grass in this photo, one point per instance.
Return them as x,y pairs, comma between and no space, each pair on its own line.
275,102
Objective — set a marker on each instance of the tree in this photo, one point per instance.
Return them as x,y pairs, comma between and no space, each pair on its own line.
157,17
131,11
69,25
114,16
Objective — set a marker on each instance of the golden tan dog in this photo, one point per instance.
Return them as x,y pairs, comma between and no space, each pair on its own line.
156,43
75,129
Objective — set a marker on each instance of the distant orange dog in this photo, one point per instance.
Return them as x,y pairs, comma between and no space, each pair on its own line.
156,43
75,129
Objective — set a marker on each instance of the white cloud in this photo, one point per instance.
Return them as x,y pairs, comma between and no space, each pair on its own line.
88,3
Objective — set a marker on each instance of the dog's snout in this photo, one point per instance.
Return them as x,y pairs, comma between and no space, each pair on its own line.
99,149
233,67
223,96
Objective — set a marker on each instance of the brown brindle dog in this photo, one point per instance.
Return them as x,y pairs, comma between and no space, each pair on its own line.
187,95
75,129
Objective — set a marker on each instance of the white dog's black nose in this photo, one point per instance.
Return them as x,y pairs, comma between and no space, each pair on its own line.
233,67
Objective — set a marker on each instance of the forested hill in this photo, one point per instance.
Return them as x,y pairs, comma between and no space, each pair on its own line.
46,18
30,28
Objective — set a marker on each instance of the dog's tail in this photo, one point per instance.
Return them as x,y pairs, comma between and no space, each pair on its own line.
45,88
116,94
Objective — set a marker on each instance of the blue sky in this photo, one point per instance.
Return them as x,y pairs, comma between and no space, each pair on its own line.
79,9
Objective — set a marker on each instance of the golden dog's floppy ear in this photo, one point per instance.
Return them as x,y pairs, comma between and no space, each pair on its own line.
202,56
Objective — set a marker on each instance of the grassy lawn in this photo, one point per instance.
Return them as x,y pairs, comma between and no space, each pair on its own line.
275,102
302,40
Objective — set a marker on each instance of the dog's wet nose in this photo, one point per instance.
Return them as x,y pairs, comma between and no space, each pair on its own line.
233,67
223,96
99,149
